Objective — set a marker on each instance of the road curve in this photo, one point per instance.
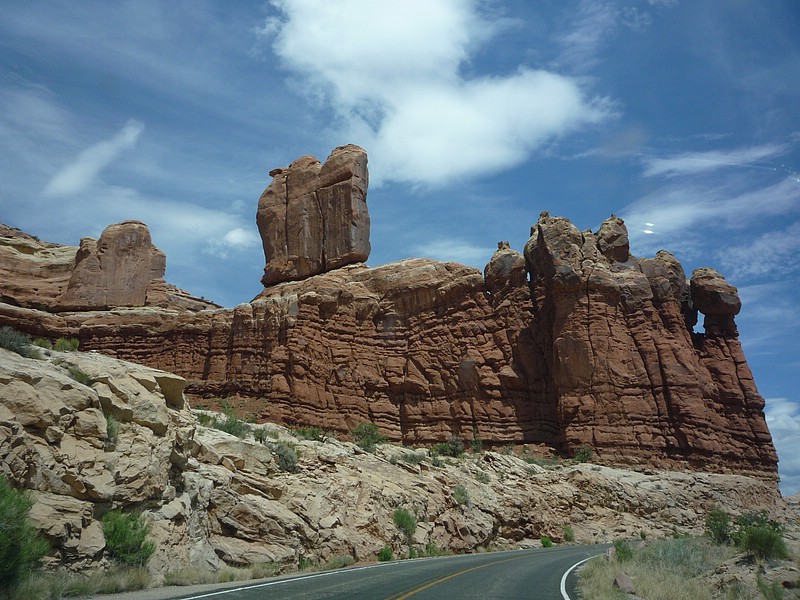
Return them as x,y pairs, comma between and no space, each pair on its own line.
497,575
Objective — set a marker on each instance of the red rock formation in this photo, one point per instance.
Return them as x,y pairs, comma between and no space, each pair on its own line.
313,217
122,268
597,349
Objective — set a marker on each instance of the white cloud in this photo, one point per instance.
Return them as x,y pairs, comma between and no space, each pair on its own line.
783,419
453,250
681,211
774,253
696,162
396,84
80,173
593,23
236,239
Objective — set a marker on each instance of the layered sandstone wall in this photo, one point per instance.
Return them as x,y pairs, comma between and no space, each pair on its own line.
575,343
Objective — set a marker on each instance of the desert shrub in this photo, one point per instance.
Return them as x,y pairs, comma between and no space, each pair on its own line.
773,591
66,344
287,456
338,562
405,521
718,526
385,554
367,436
412,458
43,343
432,549
112,430
584,454
622,550
205,419
126,535
79,375
569,534
453,447
309,433
482,477
21,548
461,495
231,423
764,543
18,342
476,445
546,541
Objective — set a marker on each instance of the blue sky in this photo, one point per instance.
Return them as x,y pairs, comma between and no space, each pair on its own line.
683,117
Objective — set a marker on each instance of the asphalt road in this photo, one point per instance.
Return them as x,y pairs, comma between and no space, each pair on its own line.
493,576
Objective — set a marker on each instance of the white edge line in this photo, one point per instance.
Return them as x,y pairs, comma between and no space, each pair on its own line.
280,581
564,593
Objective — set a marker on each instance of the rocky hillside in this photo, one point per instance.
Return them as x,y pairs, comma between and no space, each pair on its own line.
126,438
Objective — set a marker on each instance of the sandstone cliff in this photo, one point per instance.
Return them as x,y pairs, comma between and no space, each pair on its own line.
214,499
574,343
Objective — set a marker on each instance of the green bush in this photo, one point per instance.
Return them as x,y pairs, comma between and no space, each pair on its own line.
622,550
718,526
112,431
405,521
20,546
461,495
309,433
287,456
476,445
338,562
412,458
764,543
13,340
569,534
367,436
385,554
482,477
453,447
79,375
584,454
43,343
66,344
231,424
546,541
126,535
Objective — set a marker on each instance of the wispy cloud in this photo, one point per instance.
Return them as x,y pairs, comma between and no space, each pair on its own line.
395,82
774,253
783,419
677,212
80,173
454,250
592,25
691,163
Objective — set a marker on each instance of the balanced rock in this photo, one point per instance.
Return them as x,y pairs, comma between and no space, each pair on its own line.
313,217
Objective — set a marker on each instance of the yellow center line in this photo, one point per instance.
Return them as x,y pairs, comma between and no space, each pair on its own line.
417,590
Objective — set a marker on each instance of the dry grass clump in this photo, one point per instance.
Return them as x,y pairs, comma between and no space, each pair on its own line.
663,570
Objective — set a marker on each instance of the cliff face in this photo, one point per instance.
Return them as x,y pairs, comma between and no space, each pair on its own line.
213,499
575,343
